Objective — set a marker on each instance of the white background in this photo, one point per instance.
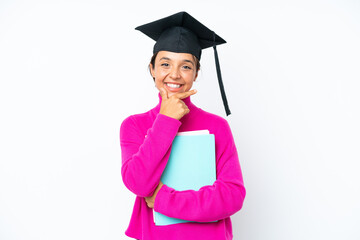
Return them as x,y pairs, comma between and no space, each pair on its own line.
71,71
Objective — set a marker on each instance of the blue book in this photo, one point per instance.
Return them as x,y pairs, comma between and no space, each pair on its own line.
191,165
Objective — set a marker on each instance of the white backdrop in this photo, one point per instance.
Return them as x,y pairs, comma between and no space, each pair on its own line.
71,71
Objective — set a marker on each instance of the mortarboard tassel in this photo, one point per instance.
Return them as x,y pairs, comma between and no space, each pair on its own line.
218,71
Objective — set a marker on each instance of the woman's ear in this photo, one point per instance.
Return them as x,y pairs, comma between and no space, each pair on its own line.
152,70
196,75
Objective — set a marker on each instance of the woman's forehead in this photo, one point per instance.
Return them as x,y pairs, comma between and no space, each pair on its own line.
174,56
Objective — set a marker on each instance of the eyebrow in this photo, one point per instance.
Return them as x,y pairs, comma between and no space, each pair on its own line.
185,60
165,58
189,61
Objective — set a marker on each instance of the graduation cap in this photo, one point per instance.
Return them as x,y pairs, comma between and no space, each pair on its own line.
181,33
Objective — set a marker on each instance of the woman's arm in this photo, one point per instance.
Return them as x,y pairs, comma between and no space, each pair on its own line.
220,200
144,159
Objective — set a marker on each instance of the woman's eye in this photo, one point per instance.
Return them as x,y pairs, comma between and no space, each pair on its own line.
187,67
165,64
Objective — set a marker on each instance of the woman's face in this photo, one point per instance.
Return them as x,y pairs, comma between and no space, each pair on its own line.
174,68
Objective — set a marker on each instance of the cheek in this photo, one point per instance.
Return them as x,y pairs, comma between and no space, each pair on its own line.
189,77
161,73
160,76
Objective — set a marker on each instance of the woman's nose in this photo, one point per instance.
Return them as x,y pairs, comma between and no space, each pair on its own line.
175,73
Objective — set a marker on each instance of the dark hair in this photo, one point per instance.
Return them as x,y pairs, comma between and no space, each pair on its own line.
152,62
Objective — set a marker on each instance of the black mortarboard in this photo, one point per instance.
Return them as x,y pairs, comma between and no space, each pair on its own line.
182,33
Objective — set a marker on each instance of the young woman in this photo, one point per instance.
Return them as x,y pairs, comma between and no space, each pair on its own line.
146,141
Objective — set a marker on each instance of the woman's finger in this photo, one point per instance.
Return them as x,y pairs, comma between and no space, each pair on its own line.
185,94
163,93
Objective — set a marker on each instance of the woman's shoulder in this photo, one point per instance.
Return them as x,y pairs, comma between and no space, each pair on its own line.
213,121
212,117
216,125
133,119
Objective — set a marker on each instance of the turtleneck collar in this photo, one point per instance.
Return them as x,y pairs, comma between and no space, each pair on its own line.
186,100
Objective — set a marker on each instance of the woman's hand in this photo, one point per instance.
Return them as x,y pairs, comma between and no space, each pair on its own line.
150,201
173,106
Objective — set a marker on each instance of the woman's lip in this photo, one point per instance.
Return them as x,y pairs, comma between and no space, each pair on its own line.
174,83
174,89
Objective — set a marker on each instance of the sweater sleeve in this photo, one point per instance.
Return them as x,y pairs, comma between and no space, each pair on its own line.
213,202
144,158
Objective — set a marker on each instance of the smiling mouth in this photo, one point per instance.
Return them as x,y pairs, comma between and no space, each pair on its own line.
172,85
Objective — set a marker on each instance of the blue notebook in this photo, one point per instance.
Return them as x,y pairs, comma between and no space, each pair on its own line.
191,165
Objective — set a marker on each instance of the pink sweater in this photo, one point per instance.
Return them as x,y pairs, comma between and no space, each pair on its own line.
145,141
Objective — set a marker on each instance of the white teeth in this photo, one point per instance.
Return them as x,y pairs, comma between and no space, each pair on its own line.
173,85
